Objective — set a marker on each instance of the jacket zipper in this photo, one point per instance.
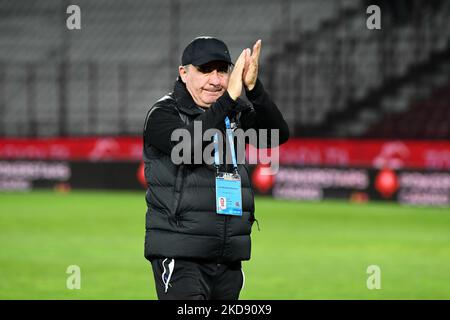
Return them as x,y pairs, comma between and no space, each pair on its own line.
224,235
180,194
177,214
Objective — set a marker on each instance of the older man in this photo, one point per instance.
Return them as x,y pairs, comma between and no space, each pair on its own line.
200,216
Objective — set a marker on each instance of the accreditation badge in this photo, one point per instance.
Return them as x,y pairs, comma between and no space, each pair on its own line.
228,194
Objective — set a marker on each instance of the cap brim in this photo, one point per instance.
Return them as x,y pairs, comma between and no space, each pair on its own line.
203,60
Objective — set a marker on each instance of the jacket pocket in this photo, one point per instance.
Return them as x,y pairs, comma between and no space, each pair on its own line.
252,218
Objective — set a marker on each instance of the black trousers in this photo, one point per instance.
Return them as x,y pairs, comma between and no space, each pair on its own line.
197,280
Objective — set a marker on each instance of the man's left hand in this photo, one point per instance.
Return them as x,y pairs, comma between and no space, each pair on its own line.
251,66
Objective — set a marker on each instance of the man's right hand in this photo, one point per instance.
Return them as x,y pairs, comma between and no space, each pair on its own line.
235,83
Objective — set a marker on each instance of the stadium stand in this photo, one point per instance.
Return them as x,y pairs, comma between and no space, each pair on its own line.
330,75
342,65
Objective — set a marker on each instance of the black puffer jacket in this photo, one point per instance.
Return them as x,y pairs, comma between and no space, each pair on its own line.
181,220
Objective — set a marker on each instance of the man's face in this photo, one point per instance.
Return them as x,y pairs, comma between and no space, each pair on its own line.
206,83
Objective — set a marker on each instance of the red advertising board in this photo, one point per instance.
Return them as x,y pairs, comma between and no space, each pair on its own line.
90,149
433,155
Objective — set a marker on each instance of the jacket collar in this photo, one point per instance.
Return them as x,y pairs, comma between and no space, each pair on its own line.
186,104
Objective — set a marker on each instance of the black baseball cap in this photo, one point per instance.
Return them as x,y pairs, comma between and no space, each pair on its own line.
202,50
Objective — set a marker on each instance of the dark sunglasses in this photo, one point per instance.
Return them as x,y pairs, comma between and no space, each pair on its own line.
221,67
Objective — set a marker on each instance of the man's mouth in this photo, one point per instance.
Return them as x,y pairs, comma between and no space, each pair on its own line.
213,92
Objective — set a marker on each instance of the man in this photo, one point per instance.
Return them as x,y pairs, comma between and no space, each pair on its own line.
193,240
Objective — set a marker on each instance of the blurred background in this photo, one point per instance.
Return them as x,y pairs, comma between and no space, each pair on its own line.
364,179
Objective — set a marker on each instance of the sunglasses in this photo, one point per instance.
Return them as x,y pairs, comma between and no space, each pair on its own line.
221,67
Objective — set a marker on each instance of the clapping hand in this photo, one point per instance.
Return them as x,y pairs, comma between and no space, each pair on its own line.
245,71
251,66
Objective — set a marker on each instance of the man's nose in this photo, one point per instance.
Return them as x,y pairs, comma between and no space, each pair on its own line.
214,78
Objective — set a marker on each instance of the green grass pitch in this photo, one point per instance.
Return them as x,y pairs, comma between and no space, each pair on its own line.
303,251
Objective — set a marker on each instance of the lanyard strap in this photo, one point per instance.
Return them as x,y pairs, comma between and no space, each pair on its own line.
230,141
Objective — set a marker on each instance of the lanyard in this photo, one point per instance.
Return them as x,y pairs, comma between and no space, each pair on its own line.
231,142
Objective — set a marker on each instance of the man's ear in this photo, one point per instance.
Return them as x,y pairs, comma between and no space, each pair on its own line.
183,73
